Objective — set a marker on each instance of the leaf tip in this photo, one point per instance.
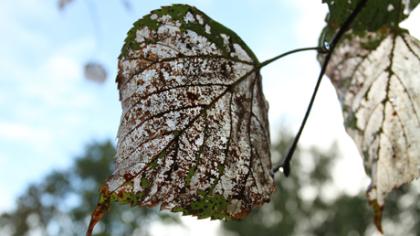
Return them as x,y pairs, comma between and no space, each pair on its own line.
377,211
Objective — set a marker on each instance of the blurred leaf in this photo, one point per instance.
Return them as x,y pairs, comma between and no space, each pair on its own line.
95,71
63,4
376,78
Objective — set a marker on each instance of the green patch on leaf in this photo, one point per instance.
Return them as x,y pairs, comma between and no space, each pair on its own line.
154,164
372,43
178,12
375,15
145,183
351,121
129,198
208,205
190,174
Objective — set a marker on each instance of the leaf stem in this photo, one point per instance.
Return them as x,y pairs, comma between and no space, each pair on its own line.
97,214
285,164
266,62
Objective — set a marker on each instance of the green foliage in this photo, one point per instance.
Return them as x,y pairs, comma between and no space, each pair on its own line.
208,205
61,203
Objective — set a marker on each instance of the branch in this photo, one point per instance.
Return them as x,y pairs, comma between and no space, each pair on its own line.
266,62
285,165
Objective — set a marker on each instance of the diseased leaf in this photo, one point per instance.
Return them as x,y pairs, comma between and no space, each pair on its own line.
376,15
377,82
194,132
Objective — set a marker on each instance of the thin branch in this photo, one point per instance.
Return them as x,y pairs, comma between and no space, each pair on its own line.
285,165
266,62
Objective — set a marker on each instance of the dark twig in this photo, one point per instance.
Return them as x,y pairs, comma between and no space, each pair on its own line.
266,62
285,164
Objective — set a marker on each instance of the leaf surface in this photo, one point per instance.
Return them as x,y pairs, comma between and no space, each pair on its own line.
194,132
375,15
377,81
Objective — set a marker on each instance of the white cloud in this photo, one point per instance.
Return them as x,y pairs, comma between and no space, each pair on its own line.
62,68
6,200
412,23
310,20
36,9
21,132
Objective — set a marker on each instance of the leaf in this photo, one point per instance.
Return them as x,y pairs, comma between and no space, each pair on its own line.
63,4
375,15
95,71
194,133
376,78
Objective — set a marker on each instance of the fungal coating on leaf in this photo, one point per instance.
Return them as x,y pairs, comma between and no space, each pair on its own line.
377,81
194,133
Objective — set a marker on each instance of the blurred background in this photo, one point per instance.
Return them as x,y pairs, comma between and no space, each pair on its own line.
59,113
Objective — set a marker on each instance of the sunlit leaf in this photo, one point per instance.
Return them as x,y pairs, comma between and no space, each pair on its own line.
194,132
377,82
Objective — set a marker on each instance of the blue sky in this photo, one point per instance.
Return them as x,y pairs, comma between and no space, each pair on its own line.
49,112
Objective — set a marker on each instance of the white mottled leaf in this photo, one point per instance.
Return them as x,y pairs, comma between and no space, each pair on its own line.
194,132
377,79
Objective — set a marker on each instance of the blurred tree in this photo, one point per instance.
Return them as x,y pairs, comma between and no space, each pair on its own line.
301,205
62,202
